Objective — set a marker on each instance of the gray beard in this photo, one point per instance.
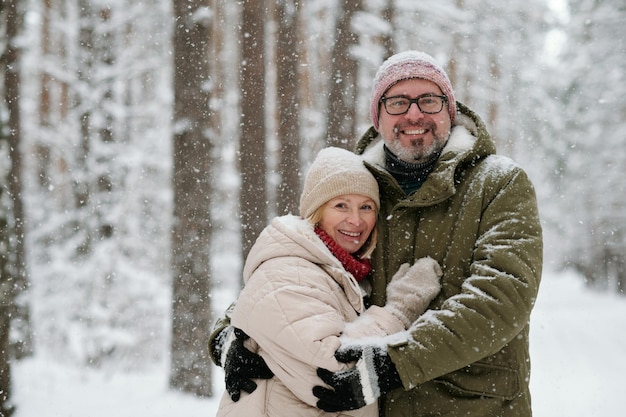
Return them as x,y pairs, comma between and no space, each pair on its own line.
416,153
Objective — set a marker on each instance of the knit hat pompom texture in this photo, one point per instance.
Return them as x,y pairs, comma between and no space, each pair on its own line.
336,172
404,66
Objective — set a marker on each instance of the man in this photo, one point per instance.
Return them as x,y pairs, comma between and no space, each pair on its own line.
445,194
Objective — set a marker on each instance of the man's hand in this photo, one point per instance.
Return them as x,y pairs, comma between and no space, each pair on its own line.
373,375
240,365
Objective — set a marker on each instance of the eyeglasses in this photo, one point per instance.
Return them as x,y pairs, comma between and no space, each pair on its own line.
427,103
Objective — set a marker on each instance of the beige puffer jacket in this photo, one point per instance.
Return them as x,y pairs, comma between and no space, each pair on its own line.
295,305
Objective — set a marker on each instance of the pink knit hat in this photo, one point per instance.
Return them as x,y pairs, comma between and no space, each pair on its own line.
406,65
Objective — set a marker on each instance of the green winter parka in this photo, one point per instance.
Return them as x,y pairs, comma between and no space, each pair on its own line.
477,215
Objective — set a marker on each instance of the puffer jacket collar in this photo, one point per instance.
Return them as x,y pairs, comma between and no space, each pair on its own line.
469,142
292,236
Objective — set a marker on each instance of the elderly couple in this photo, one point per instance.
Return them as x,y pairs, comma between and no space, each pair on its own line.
405,286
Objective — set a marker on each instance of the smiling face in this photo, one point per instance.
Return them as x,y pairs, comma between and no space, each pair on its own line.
414,136
349,220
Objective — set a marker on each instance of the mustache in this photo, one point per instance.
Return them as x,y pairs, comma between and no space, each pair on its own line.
427,125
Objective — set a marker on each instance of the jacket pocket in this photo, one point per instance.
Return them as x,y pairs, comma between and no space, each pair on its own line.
485,380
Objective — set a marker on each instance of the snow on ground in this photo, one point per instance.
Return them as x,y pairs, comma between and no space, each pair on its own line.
45,389
578,350
578,347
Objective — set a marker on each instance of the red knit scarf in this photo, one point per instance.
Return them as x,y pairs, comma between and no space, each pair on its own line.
359,268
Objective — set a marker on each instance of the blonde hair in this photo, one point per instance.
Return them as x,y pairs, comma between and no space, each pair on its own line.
366,250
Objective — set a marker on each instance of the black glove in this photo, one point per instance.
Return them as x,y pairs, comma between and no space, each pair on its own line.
240,364
373,375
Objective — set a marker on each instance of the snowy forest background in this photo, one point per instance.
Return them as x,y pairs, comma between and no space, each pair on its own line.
145,144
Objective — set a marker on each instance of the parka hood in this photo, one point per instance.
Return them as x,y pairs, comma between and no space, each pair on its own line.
288,236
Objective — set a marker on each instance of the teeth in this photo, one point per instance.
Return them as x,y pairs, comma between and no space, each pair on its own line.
351,234
414,132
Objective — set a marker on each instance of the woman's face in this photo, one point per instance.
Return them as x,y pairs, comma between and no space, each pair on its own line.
349,219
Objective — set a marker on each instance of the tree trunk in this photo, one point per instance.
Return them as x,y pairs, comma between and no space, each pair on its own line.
22,345
6,303
12,266
341,108
252,159
287,57
191,311
388,42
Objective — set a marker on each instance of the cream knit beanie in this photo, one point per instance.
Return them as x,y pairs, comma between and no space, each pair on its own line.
404,66
336,172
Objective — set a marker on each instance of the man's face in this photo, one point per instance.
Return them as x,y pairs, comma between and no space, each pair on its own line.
414,136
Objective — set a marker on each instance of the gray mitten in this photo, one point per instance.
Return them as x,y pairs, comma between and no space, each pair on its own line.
412,289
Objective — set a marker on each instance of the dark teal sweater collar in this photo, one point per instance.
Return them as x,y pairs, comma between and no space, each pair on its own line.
410,177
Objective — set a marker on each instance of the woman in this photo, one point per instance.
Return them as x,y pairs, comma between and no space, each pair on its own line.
304,288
